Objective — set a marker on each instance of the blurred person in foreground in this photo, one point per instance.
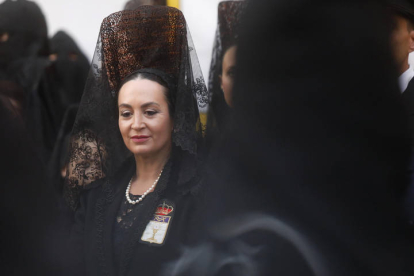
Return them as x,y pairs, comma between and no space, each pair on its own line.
308,179
402,41
29,241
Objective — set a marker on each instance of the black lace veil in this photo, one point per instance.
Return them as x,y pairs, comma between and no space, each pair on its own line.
227,32
150,37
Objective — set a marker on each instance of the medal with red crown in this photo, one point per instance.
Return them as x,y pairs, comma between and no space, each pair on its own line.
157,229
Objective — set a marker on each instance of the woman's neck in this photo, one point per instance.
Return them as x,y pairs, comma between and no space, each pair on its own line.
149,167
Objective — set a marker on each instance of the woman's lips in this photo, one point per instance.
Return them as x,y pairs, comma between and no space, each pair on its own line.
140,138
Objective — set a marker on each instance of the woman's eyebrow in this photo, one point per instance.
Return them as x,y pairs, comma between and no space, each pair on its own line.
125,105
148,104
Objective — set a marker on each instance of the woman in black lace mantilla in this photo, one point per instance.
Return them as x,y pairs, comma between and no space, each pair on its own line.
133,156
223,67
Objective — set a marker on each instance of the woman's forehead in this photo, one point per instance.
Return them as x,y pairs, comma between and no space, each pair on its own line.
140,91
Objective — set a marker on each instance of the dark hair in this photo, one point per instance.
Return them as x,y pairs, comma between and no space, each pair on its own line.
408,17
158,77
410,25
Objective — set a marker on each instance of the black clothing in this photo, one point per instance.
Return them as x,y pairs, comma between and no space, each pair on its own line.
408,100
29,244
58,161
408,192
112,243
43,110
13,97
124,220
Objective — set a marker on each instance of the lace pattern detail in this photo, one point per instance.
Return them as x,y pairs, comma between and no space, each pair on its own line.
124,218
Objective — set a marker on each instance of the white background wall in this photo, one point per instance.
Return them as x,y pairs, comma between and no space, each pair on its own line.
82,19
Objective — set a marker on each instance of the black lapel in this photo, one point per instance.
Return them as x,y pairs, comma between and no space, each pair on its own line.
106,211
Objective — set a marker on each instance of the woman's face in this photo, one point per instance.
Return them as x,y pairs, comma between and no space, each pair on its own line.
228,73
144,119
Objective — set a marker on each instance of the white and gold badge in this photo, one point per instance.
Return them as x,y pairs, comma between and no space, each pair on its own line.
157,229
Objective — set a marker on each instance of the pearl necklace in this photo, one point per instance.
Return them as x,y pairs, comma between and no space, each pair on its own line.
133,202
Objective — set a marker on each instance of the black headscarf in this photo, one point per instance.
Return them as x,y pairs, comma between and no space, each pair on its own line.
26,28
150,37
71,67
317,152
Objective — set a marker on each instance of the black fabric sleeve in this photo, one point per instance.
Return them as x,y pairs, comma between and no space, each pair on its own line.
76,262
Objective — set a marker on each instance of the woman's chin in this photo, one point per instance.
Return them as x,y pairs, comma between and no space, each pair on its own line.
142,152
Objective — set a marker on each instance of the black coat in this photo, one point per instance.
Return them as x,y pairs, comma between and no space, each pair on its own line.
408,99
93,233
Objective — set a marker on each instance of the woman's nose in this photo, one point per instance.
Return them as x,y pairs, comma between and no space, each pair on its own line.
138,122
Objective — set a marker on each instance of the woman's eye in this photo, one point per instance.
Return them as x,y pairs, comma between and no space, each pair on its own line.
151,112
125,114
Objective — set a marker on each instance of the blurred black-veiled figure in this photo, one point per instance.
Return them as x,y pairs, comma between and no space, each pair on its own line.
133,4
23,33
24,51
135,143
71,68
308,180
223,68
